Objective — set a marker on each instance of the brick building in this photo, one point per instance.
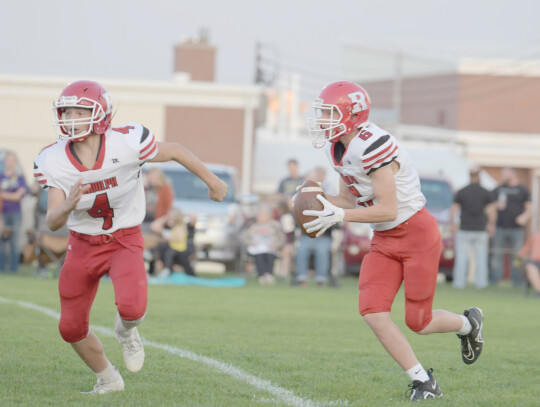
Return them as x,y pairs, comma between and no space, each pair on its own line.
488,108
215,121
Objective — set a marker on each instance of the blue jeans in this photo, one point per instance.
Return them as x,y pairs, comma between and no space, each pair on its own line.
506,241
10,246
321,247
478,241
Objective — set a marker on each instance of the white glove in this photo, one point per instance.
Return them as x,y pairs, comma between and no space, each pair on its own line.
329,216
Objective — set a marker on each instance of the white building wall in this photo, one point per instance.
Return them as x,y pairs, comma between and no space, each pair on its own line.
26,107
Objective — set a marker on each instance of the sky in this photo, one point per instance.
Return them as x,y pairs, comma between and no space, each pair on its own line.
134,39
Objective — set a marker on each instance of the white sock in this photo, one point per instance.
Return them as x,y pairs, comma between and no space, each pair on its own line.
467,327
121,329
125,331
108,374
417,372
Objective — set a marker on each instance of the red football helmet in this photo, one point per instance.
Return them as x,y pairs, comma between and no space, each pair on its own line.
87,95
340,108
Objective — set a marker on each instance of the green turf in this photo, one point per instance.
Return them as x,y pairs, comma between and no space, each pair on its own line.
306,340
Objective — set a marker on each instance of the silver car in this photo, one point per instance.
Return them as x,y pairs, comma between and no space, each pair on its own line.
217,231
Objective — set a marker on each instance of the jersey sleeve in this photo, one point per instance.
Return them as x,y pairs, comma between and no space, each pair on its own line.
41,173
140,140
148,148
379,154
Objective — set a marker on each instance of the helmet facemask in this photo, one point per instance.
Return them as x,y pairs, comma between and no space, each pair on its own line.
97,121
326,124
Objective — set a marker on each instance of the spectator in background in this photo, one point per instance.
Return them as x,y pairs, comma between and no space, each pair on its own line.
320,248
287,186
289,228
477,224
159,200
319,174
1,217
286,190
178,231
263,241
159,194
12,188
530,254
331,187
513,203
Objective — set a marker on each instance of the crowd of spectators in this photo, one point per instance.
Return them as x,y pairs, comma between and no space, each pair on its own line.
489,225
492,226
298,256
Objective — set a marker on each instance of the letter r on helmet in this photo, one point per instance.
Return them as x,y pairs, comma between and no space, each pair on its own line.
359,101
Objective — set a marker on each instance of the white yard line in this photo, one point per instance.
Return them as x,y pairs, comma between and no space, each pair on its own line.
280,394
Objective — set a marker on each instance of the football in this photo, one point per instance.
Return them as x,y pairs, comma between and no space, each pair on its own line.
306,199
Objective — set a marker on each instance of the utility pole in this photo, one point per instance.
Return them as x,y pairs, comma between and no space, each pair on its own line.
266,69
258,67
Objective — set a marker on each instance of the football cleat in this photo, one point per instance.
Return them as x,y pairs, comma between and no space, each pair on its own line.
424,390
132,347
103,387
473,342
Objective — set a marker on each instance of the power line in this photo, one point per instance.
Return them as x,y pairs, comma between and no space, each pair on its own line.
471,97
505,66
266,70
312,61
470,87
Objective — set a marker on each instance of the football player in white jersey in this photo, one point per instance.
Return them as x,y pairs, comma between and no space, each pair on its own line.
93,174
380,186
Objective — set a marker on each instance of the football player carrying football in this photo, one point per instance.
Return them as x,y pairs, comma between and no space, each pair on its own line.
93,174
380,186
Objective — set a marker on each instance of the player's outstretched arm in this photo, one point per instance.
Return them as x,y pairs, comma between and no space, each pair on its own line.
176,152
59,206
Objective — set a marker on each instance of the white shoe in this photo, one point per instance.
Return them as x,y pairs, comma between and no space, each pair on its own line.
103,387
270,279
266,279
132,347
164,273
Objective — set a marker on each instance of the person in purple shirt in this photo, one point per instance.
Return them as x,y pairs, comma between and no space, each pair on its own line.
12,189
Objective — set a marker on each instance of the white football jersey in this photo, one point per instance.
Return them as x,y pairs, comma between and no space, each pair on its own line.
371,149
116,198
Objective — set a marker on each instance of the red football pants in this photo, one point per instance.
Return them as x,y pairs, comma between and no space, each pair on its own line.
409,253
88,259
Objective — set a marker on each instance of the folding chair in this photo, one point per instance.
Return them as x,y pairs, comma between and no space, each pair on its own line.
51,248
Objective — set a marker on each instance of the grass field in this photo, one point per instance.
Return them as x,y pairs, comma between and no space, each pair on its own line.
263,346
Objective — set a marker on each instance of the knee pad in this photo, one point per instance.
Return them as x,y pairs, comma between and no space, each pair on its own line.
132,308
72,332
417,316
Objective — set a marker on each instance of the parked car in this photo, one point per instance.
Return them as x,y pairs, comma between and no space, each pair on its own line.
439,197
217,231
355,245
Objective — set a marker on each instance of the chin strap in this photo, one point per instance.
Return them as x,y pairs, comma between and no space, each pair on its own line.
79,139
